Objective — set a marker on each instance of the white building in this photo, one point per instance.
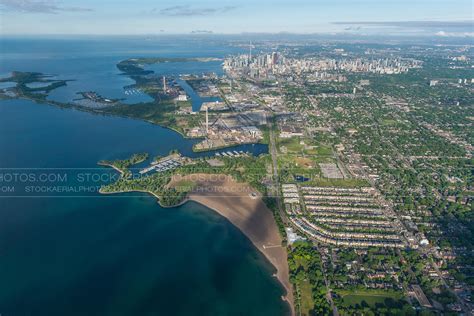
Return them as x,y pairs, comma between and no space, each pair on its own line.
182,97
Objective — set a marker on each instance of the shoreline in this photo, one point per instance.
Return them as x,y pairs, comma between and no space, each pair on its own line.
139,191
104,164
233,200
248,214
99,112
278,275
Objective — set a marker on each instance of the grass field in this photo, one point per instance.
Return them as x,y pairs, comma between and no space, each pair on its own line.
388,122
305,162
304,146
293,165
306,297
292,145
184,185
370,297
321,150
304,291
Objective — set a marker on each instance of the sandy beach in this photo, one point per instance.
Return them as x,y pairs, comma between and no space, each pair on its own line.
243,207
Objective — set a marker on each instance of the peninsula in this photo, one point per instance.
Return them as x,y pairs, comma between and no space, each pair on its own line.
170,106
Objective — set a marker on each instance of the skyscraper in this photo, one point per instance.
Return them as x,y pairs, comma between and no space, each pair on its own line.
274,58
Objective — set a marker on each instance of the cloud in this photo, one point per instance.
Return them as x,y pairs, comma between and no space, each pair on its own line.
352,28
202,32
454,34
186,10
423,24
38,6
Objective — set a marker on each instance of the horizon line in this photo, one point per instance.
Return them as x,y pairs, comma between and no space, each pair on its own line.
211,33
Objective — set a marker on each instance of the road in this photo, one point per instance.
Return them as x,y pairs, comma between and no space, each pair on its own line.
281,211
464,306
275,178
335,312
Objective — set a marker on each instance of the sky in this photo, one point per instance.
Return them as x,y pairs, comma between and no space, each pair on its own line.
123,17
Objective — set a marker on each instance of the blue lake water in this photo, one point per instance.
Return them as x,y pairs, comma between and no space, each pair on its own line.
91,63
89,254
196,99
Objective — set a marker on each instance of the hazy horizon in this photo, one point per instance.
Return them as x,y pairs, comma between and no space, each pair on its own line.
145,17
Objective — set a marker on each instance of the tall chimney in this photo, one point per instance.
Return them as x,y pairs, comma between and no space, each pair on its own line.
207,122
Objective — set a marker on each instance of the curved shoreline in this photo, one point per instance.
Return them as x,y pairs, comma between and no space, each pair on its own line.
249,214
283,280
104,164
107,114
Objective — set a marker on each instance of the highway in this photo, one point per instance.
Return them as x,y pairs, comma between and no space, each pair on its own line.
275,178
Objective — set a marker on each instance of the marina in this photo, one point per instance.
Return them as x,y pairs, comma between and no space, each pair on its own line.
165,164
232,153
174,161
133,91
